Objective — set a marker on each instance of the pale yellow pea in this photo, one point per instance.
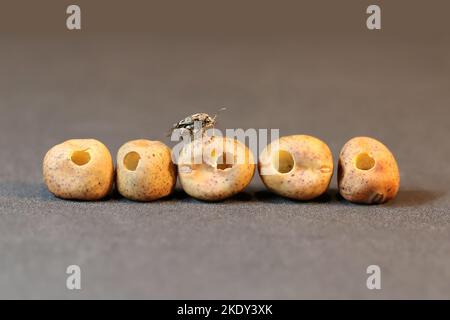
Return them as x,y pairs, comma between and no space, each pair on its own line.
80,169
299,167
145,170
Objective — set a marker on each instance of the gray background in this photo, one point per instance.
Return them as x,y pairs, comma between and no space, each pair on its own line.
301,66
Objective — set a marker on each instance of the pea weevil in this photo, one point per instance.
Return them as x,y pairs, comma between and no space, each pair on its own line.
197,121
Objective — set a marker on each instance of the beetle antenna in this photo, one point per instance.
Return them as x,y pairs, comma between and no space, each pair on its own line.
219,111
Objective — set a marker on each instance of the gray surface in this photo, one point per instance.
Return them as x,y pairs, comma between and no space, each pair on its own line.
256,245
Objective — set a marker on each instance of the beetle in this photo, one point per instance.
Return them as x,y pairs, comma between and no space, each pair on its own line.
195,122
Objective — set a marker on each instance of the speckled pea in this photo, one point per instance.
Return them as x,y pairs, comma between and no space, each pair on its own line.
145,170
225,167
367,172
299,167
79,169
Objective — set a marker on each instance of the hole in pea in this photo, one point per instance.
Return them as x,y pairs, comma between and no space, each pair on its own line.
80,157
225,161
364,161
283,161
131,160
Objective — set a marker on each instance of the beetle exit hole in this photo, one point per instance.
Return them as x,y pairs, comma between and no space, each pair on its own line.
364,161
225,161
283,161
80,157
131,160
